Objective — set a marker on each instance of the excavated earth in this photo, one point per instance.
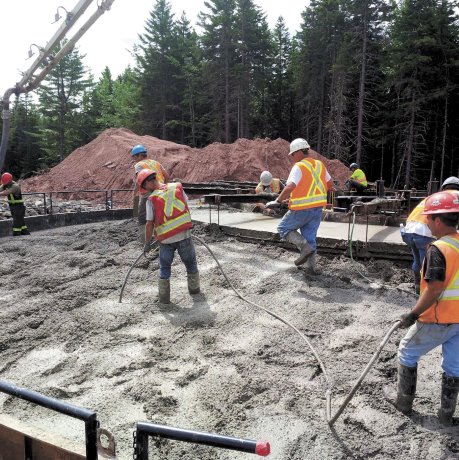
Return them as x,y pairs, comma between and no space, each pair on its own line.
211,362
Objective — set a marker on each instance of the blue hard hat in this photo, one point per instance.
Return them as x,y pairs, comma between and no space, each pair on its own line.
138,149
353,165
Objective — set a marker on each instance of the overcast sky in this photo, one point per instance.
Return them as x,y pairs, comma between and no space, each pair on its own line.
109,40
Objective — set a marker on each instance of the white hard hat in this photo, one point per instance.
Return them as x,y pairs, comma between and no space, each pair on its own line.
298,144
266,177
451,183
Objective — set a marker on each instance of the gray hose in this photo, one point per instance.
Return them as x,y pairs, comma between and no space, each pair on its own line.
331,420
155,249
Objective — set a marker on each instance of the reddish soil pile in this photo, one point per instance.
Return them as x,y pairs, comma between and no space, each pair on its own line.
105,163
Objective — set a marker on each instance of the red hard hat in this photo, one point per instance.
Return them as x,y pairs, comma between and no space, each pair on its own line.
441,203
142,177
7,178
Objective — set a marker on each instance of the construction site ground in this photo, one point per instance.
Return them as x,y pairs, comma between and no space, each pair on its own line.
211,362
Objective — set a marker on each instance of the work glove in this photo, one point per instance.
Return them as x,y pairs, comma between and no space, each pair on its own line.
272,204
407,320
147,247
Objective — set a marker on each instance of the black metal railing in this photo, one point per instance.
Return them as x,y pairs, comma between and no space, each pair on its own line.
145,430
89,417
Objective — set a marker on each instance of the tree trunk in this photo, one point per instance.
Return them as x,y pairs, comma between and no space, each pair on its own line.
361,91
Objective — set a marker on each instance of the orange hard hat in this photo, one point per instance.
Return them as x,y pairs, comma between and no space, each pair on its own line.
7,178
441,203
142,176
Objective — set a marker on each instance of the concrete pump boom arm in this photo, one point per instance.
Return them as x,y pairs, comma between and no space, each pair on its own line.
29,82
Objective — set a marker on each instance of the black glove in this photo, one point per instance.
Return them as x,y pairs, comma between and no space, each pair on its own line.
407,320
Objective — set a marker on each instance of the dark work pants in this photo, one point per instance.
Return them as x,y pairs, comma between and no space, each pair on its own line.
18,213
142,215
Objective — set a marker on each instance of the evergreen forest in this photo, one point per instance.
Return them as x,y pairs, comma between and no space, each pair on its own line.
370,81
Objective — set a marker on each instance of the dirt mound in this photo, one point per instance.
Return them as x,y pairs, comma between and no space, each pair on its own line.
105,163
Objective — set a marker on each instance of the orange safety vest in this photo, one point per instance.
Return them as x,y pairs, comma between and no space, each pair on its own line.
172,215
311,192
274,187
149,164
446,308
416,216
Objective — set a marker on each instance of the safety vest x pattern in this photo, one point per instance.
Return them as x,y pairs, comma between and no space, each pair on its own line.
274,186
172,215
311,191
446,309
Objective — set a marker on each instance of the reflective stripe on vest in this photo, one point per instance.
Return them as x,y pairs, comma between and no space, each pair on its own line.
13,200
311,192
446,309
171,211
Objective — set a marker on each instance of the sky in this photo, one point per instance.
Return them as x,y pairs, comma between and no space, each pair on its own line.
110,39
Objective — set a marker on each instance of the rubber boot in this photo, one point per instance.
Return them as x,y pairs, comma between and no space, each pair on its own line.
25,231
193,283
449,392
406,388
303,246
164,288
311,264
417,282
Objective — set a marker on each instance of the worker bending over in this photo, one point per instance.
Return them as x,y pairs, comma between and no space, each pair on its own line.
307,186
357,180
140,155
434,320
416,233
267,184
12,190
169,219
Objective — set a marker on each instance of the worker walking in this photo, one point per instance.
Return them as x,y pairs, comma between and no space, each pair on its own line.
434,319
357,180
12,190
307,186
140,155
271,185
168,218
416,233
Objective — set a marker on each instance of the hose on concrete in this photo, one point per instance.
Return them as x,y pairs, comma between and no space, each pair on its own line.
349,242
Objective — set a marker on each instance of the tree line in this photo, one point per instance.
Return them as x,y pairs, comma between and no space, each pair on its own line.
370,81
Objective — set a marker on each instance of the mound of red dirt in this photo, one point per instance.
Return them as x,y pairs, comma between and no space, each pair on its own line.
105,163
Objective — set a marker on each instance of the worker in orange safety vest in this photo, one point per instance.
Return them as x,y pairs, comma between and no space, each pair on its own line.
168,219
307,186
434,319
140,155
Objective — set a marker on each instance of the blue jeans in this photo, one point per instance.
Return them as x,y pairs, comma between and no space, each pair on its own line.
423,337
307,220
186,251
418,245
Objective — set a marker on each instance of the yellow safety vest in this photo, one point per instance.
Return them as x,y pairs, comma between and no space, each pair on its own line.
359,176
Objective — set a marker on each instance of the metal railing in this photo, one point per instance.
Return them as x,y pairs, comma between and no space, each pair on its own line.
89,417
145,430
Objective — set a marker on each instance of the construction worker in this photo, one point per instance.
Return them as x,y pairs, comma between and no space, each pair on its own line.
140,156
416,233
307,187
169,219
357,180
12,190
267,184
434,320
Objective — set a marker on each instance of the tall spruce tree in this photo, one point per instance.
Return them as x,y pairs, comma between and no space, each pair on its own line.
61,98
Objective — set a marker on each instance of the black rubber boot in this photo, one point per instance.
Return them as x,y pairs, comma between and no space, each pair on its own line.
193,283
164,289
449,392
406,388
